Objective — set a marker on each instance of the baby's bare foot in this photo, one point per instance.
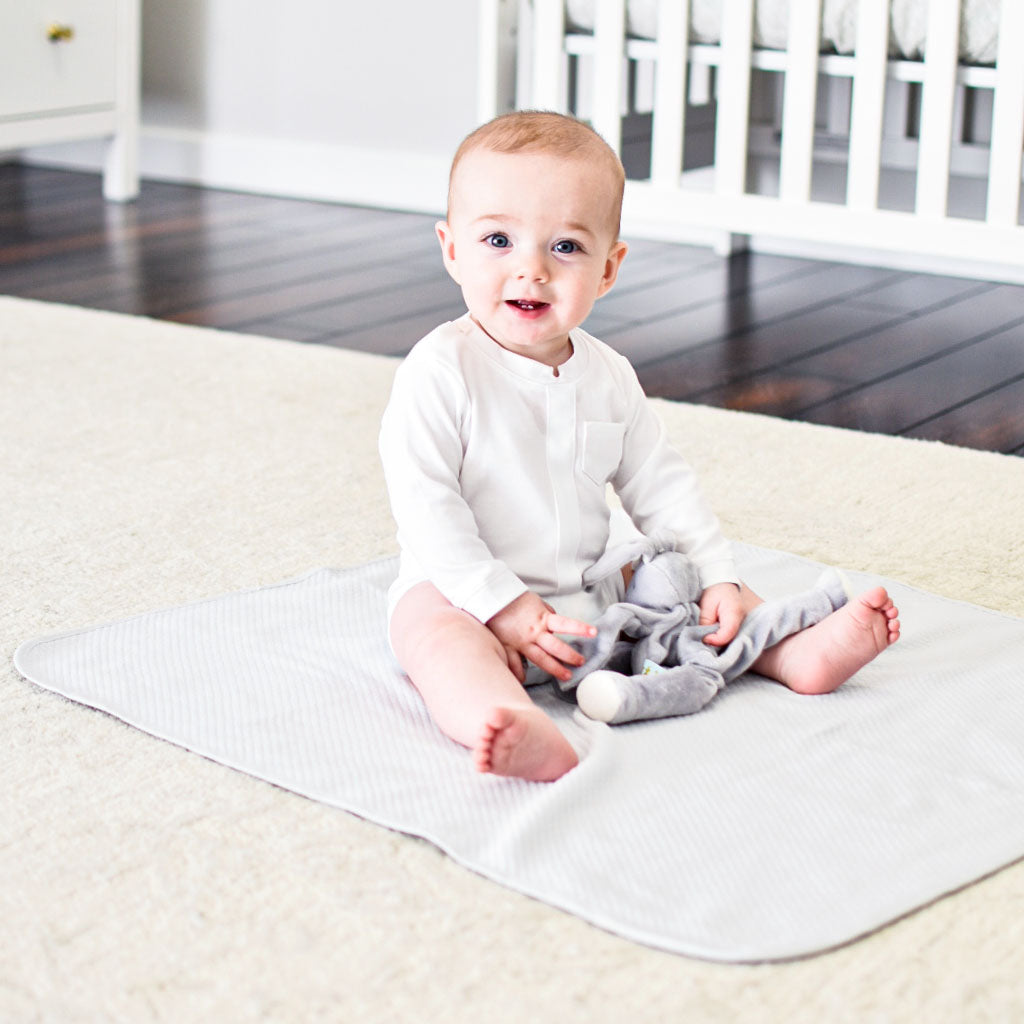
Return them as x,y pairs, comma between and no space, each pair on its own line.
822,658
525,743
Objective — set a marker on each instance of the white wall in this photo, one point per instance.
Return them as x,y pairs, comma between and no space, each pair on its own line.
353,100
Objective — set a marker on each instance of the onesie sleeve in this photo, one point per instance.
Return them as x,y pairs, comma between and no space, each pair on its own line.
660,491
421,450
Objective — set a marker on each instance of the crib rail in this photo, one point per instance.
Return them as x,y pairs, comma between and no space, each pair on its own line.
725,199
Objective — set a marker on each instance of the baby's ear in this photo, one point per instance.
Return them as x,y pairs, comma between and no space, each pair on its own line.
616,255
446,237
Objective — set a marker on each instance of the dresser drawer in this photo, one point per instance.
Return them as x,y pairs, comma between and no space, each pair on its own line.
40,78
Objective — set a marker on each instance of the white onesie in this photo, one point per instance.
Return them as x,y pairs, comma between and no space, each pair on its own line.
497,470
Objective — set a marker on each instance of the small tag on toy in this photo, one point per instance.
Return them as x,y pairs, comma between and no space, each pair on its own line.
651,668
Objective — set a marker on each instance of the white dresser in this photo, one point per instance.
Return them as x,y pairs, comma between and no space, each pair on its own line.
69,69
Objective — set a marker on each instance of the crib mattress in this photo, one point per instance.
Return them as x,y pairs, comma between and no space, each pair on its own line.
979,25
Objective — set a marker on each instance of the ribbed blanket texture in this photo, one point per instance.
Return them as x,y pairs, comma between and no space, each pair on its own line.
906,783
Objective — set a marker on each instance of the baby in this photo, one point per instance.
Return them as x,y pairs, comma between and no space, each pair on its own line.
504,429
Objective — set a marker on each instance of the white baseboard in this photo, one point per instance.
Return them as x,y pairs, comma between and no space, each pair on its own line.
390,179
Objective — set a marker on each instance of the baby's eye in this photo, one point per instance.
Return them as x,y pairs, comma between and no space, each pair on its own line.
498,240
566,246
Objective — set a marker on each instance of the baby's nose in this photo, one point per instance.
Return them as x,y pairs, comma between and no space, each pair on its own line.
533,266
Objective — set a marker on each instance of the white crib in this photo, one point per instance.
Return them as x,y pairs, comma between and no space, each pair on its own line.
900,160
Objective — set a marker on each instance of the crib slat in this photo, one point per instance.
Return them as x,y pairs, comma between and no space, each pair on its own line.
732,119
866,116
938,93
548,58
1004,183
524,54
669,124
609,56
799,100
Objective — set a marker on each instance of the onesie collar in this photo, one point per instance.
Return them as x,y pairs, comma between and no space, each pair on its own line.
521,366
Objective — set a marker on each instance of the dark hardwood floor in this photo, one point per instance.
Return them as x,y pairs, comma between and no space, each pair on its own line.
872,349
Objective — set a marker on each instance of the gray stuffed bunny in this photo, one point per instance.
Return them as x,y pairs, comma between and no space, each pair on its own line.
649,660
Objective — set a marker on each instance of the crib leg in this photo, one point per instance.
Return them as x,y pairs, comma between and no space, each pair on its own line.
729,244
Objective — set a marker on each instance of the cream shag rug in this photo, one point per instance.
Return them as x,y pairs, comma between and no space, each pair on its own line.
145,465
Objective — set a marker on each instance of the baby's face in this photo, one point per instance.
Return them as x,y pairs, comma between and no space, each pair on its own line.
530,240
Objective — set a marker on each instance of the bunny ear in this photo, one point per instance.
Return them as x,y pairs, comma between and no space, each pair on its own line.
657,542
616,557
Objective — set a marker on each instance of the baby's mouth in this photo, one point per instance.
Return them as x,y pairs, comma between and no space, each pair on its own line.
527,305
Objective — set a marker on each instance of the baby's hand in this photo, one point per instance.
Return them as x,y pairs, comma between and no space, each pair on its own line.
721,603
527,628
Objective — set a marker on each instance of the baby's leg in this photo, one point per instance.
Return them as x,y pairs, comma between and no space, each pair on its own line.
820,659
462,672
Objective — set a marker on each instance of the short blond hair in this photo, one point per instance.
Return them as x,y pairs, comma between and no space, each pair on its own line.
543,131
